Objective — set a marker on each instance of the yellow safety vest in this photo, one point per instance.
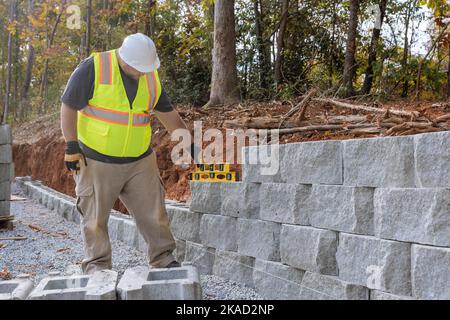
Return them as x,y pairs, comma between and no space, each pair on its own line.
108,124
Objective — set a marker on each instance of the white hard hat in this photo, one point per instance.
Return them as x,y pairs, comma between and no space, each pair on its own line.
139,52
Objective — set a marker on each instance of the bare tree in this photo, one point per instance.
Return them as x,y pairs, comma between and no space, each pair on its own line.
12,6
148,23
280,40
88,27
263,45
224,83
30,62
373,48
350,62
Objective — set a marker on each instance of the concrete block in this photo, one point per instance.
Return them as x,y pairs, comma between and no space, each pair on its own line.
235,267
379,162
219,232
115,227
180,250
317,162
66,209
200,256
309,248
141,243
130,233
205,197
5,190
5,134
413,215
319,287
16,289
430,272
375,263
143,283
5,208
240,199
432,155
5,172
277,281
101,285
185,224
259,239
292,196
380,295
341,208
5,153
262,164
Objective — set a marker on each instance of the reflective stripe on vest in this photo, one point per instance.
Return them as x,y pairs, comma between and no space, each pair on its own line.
152,89
105,76
116,117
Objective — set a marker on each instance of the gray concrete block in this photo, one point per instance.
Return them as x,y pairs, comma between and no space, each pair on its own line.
130,233
143,283
277,281
5,153
185,224
292,196
380,295
200,256
234,266
240,199
413,215
101,285
379,162
375,263
341,208
180,251
318,162
432,159
309,248
319,287
5,190
219,232
205,197
5,172
66,209
16,289
5,208
259,239
115,227
259,166
430,272
5,134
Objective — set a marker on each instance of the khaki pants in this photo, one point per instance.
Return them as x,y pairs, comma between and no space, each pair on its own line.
140,188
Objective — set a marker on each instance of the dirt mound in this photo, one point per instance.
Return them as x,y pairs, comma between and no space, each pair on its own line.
39,147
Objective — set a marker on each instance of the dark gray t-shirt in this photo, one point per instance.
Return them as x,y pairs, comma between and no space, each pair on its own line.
79,91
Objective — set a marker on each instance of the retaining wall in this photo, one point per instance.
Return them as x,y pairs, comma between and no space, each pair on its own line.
6,175
355,219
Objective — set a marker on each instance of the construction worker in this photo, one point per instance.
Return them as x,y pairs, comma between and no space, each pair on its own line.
105,120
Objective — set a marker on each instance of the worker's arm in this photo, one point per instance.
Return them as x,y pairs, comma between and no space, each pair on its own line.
73,153
172,121
68,123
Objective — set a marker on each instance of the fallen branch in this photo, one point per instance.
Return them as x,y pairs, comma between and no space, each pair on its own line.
341,104
301,106
259,123
13,238
443,118
329,127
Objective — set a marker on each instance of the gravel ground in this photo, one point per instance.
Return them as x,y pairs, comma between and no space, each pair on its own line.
57,246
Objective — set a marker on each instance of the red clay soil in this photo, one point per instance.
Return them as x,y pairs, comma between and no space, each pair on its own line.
38,148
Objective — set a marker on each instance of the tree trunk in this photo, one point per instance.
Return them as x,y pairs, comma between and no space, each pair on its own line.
148,23
350,62
280,40
448,71
405,51
224,83
29,71
373,48
263,48
331,58
88,27
12,4
44,81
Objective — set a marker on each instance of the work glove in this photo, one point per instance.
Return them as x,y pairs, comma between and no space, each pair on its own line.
73,155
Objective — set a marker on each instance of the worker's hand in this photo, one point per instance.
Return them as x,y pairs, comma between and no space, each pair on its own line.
73,155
